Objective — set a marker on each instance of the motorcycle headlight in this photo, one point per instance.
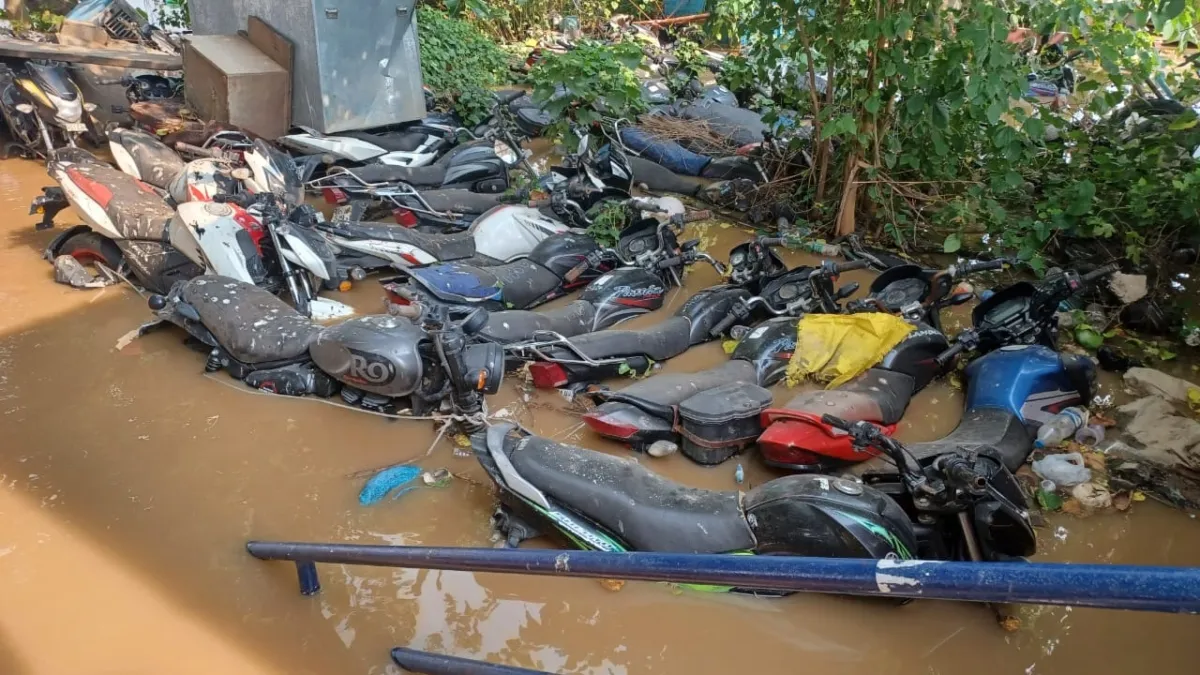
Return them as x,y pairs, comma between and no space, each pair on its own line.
66,111
505,153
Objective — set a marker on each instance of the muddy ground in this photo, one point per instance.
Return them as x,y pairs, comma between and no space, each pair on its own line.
130,481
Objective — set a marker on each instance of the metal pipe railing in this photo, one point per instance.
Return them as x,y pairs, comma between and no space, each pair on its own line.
1157,589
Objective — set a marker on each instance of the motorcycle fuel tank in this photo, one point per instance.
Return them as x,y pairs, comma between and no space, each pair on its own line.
1030,381
623,294
769,347
377,354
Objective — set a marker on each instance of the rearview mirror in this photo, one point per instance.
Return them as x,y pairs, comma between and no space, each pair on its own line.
847,290
689,245
959,298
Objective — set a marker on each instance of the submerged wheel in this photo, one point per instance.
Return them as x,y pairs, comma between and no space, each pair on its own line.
90,247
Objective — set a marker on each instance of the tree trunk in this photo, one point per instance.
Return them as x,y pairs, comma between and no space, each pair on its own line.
14,9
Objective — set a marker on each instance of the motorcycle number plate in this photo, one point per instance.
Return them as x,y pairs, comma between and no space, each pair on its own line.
75,127
341,214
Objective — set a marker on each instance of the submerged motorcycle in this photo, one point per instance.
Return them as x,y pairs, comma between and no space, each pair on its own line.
965,503
43,107
604,354
714,413
1027,387
378,362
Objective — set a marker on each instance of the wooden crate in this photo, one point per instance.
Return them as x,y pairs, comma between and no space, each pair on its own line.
228,79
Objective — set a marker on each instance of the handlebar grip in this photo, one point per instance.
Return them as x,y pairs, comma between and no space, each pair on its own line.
669,262
538,203
948,355
852,265
119,80
960,472
694,216
771,241
1100,273
836,422
984,265
723,325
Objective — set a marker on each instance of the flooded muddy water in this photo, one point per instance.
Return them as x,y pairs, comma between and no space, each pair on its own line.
129,482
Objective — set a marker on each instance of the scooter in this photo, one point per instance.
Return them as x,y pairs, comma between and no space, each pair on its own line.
596,356
601,502
378,362
1041,383
712,414
143,156
556,266
43,107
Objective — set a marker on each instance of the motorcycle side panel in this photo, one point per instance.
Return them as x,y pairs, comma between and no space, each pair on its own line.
708,307
210,241
841,519
398,253
769,347
467,175
93,213
623,294
351,149
509,232
408,158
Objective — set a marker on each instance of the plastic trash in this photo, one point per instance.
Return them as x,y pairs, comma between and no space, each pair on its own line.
385,481
1066,470
1047,496
1091,435
739,474
1060,428
819,247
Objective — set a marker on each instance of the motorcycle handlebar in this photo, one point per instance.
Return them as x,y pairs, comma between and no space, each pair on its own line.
771,241
852,265
948,355
538,203
960,472
983,266
667,263
1100,273
197,150
695,216
723,325
120,80
836,422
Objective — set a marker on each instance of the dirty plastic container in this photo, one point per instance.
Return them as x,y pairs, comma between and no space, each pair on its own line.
1090,435
717,423
1066,470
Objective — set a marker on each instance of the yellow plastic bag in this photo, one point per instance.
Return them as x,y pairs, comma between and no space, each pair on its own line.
836,348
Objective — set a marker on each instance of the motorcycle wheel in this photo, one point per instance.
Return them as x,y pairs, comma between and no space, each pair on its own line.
90,247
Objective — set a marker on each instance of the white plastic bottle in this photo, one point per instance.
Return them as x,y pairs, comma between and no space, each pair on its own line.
1061,427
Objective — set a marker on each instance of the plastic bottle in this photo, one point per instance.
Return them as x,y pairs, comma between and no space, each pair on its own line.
1091,435
1060,428
819,247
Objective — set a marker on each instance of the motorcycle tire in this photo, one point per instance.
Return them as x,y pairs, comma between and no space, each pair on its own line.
90,247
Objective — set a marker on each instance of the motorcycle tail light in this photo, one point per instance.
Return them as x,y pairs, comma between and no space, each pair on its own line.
747,149
548,375
609,426
334,196
405,217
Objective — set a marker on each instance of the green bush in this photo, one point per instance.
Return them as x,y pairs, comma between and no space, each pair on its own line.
460,63
599,82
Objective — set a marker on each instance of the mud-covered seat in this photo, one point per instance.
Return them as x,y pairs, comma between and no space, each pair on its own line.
980,427
658,342
515,284
458,200
430,175
518,325
878,395
157,164
675,388
441,246
132,206
251,324
644,509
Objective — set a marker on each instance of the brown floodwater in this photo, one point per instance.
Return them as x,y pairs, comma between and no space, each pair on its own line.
129,482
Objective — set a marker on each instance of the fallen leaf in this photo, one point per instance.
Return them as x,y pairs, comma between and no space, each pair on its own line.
613,584
462,441
1138,496
1097,418
1010,624
729,345
1193,395
1095,461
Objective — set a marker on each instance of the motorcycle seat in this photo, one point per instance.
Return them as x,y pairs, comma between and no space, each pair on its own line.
659,178
430,175
441,246
392,142
516,284
644,509
249,322
878,395
134,208
157,163
675,388
519,325
980,427
658,342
